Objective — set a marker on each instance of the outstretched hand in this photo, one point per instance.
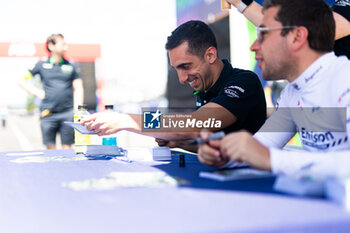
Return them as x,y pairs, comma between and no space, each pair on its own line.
108,122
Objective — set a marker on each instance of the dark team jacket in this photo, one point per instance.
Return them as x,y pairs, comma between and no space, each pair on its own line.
57,80
240,92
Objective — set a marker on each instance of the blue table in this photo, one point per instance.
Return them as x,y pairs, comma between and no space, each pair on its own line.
32,200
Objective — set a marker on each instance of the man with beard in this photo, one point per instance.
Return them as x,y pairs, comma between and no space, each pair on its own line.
295,42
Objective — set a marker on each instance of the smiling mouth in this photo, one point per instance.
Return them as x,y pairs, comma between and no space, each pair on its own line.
193,82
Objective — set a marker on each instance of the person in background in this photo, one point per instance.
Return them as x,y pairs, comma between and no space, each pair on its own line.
295,42
231,96
62,91
3,114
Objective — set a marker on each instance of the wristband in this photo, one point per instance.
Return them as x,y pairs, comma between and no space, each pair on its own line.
243,5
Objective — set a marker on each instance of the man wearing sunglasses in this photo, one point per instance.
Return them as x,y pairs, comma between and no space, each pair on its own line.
295,42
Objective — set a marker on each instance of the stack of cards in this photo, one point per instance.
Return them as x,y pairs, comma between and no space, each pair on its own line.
77,126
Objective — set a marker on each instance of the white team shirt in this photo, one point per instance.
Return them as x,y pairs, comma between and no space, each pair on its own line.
317,105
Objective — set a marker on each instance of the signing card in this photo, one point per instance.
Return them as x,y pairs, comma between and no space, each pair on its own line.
82,129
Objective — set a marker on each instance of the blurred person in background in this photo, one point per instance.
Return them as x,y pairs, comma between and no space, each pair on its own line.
3,113
62,92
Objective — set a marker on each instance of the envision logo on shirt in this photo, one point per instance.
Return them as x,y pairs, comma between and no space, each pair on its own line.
319,140
316,137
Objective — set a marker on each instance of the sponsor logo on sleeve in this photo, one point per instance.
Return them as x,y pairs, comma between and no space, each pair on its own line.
234,91
342,3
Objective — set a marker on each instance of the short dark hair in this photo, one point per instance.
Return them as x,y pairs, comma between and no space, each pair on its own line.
52,39
315,15
197,34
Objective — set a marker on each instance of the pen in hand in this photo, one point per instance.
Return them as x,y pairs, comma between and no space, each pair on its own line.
213,136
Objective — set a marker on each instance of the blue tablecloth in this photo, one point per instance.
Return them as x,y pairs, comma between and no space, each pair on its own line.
33,200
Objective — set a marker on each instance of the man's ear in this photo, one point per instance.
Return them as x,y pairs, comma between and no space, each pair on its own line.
211,55
299,38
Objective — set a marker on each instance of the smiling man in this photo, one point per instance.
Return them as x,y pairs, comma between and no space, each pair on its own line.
232,97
